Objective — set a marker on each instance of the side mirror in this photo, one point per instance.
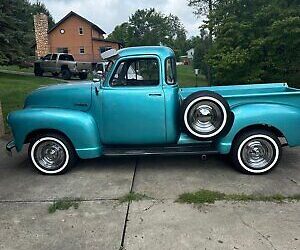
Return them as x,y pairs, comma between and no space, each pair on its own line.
98,76
95,79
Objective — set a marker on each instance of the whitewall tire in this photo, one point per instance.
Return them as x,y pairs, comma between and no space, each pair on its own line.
256,152
206,115
51,154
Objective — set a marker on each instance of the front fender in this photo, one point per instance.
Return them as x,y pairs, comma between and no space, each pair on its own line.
78,126
283,117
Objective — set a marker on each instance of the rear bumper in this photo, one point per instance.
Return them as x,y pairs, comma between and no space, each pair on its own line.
10,146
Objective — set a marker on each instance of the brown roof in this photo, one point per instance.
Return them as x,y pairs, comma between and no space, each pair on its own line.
75,14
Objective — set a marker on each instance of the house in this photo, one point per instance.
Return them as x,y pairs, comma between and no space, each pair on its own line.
189,57
72,34
190,54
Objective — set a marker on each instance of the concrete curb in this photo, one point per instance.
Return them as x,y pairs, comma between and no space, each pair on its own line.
1,122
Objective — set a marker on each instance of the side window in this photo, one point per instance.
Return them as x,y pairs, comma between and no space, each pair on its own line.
47,57
54,57
66,57
171,74
136,72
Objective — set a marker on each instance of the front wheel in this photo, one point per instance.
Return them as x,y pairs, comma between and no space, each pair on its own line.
66,74
256,152
52,154
37,70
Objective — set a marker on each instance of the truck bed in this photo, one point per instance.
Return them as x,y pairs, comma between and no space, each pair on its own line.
265,93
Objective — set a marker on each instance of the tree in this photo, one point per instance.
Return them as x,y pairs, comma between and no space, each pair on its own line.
16,29
120,33
201,44
255,41
149,27
205,8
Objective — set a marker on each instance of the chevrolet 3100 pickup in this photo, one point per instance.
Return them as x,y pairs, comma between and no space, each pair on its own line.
147,113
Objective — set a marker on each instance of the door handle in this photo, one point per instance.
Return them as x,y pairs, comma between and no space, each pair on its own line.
155,94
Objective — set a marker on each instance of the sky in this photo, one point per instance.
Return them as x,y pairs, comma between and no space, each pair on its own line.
109,13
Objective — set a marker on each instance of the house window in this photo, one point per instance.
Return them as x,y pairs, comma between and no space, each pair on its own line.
103,49
80,31
63,50
81,50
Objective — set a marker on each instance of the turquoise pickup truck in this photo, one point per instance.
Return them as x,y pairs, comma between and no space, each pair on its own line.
137,108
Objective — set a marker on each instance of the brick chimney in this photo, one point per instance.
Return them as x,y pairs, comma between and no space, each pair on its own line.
41,34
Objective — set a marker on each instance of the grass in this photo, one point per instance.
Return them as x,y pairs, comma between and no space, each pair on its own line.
187,78
132,196
64,204
16,68
14,89
207,196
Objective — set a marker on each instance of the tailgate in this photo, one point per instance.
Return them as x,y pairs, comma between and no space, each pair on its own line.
84,66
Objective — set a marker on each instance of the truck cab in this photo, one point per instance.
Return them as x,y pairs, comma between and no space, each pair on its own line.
140,88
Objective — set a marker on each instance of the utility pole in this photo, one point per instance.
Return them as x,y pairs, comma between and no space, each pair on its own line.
196,74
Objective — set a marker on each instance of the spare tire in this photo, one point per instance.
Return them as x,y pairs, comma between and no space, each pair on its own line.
206,115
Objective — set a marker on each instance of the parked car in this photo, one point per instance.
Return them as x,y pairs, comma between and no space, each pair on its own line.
151,115
62,64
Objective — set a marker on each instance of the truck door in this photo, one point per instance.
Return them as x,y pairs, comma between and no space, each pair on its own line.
133,104
52,63
45,62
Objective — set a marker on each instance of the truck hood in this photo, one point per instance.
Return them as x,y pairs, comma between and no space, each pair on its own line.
66,96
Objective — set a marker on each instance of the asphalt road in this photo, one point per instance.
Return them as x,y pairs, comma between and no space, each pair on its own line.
102,222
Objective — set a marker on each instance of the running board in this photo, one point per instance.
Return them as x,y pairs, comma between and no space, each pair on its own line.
198,149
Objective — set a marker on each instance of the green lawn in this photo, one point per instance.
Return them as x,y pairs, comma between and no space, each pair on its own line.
187,78
14,88
16,68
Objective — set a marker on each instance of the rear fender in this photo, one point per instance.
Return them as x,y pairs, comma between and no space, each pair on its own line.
282,117
78,126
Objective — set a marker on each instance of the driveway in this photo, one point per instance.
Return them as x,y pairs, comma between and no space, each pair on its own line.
102,222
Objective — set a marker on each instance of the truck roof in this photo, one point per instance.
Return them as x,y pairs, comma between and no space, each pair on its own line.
160,51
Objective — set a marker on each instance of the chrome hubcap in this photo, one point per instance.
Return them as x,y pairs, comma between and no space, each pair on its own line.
50,155
258,153
205,117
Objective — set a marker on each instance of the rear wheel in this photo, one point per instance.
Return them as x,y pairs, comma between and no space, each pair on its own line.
256,152
37,70
66,74
52,154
